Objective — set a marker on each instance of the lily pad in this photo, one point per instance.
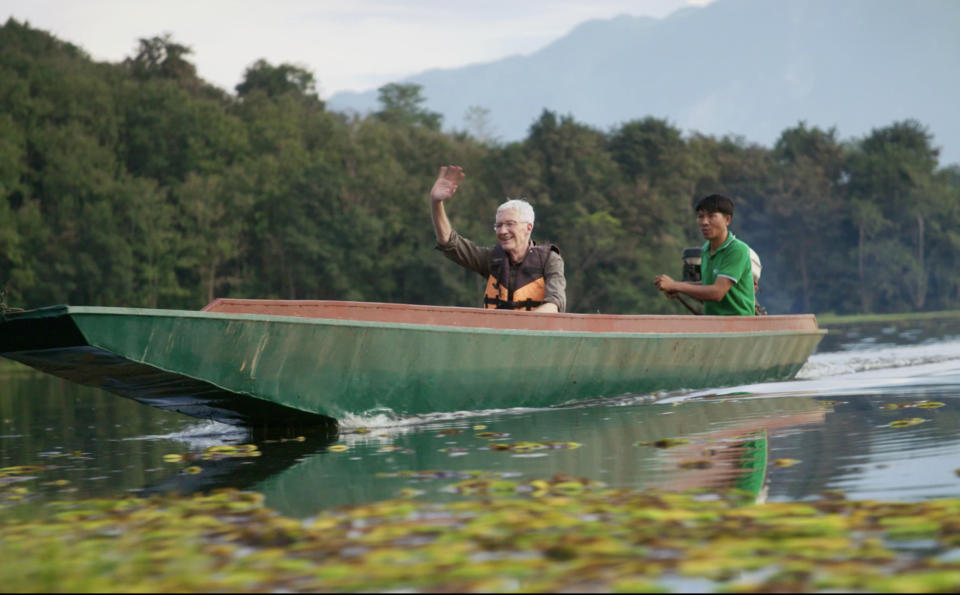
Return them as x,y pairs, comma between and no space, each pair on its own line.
906,423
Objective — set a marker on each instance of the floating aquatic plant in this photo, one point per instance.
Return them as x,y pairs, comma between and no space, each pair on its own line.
785,462
906,423
917,404
492,435
525,447
542,535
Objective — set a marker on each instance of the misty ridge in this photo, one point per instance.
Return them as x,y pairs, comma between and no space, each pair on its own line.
747,68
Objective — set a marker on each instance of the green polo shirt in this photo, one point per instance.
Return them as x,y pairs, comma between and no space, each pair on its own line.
731,260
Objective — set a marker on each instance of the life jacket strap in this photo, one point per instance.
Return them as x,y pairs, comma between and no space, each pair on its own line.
505,305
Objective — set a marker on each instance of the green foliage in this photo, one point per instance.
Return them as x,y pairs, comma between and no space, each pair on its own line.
402,105
161,57
138,184
278,80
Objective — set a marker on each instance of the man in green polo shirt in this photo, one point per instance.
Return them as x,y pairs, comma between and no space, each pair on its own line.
727,287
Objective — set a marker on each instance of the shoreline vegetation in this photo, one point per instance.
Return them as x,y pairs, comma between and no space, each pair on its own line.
560,534
139,184
837,320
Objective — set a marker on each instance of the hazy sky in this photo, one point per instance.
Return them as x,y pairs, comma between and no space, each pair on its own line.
348,45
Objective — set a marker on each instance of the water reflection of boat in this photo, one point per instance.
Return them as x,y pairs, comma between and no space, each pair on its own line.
256,362
274,455
719,444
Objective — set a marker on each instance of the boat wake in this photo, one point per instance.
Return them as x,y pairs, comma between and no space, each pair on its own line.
203,435
381,419
868,371
846,362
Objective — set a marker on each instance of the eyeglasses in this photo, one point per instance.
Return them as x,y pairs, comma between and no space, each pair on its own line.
510,225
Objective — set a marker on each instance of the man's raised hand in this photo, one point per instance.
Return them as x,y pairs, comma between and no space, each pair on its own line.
447,182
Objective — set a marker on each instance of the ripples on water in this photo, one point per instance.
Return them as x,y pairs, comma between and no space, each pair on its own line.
829,428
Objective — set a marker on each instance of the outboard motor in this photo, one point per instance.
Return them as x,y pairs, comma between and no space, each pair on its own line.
691,265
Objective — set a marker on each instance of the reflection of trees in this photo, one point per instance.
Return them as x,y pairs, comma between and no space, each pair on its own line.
78,432
892,332
828,450
73,429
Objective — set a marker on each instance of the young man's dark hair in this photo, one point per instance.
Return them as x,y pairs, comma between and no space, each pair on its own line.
715,203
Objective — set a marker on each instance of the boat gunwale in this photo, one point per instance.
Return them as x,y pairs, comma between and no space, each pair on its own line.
406,326
230,305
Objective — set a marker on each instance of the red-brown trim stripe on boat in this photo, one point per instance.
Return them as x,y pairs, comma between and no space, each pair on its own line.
506,319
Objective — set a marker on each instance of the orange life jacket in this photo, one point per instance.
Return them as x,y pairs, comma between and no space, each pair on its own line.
530,285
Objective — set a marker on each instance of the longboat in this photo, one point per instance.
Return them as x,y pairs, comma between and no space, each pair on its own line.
306,362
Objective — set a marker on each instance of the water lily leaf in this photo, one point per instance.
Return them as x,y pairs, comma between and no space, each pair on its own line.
906,423
221,449
479,427
21,470
540,487
527,447
910,527
492,435
930,404
785,462
338,447
560,445
193,470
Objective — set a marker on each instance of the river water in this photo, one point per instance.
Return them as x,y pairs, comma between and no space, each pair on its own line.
875,413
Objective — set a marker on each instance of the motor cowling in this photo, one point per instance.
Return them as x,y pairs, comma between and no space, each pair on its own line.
691,265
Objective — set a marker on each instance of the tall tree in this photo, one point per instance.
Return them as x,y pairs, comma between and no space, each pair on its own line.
402,104
279,80
894,169
807,207
162,57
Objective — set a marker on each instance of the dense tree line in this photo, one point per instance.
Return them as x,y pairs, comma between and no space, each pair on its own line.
139,184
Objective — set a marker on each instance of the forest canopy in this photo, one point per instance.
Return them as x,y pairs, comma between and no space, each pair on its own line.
140,184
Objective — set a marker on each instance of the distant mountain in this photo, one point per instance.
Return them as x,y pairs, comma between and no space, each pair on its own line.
744,67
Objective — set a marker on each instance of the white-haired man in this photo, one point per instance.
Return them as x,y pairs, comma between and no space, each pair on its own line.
521,275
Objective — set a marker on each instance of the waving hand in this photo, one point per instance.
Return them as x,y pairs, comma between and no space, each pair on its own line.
448,180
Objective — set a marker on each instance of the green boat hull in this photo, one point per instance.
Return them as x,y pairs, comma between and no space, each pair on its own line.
261,369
